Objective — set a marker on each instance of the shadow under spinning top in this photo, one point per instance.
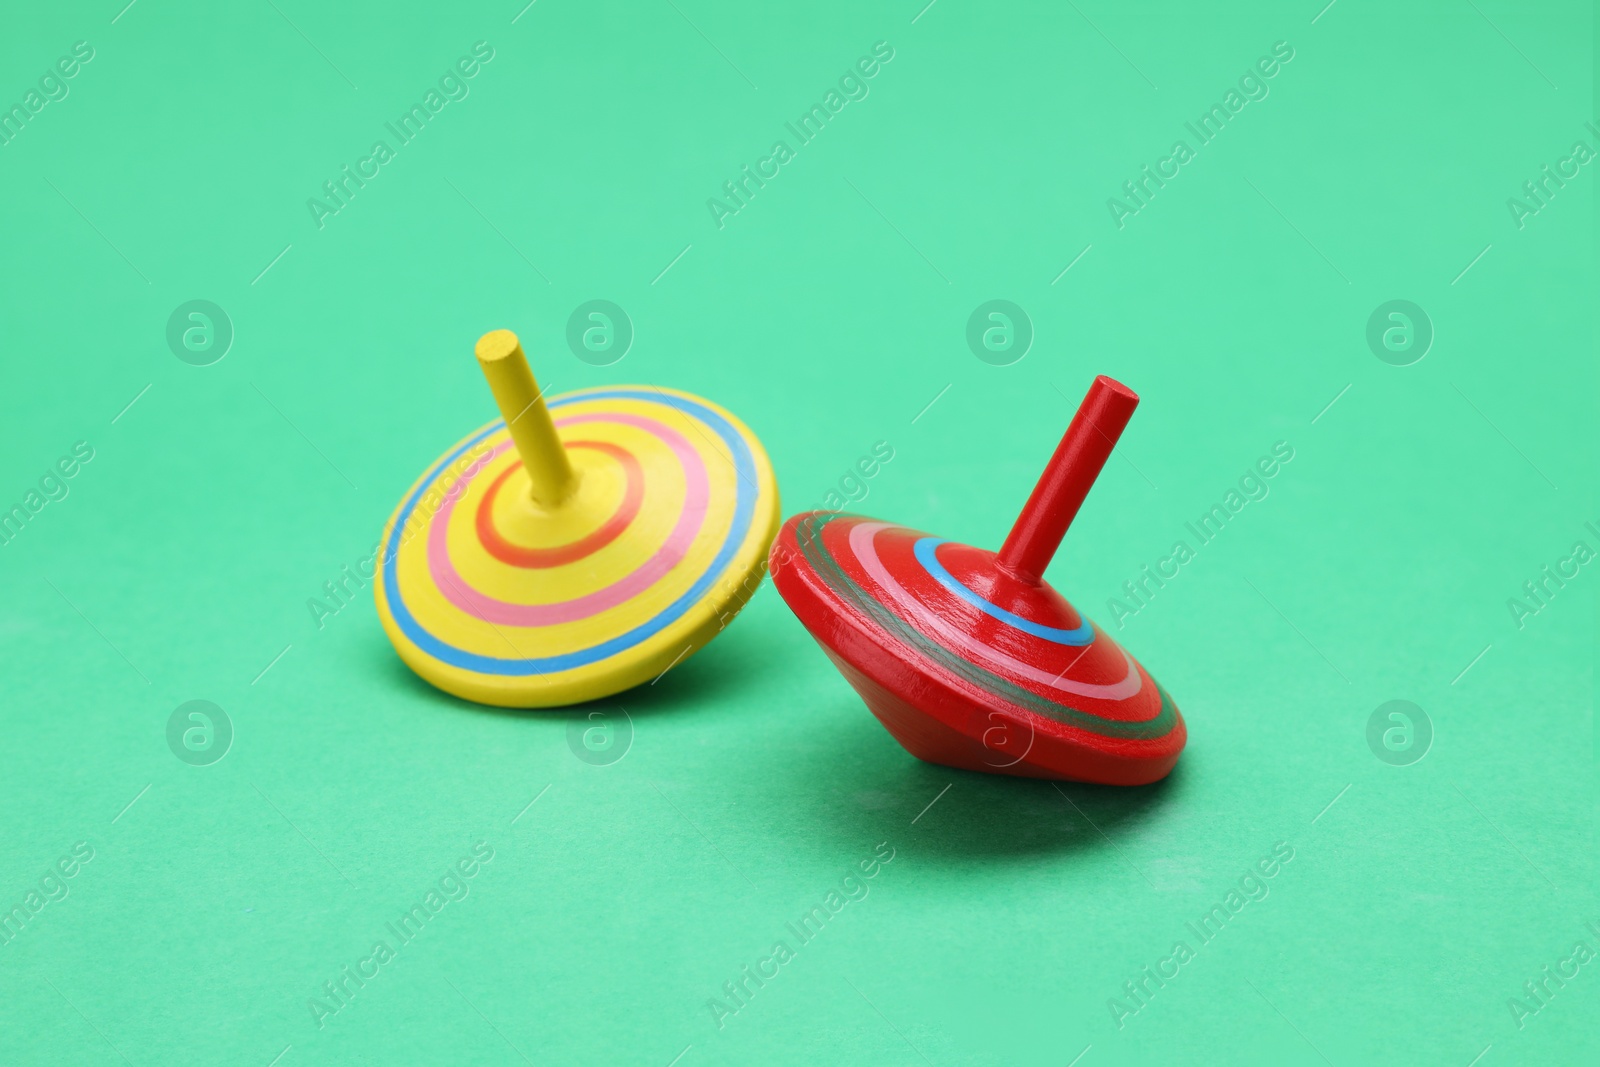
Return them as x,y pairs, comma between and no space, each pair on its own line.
576,547
969,657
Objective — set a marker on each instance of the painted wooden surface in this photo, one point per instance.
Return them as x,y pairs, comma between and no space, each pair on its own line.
604,537
968,657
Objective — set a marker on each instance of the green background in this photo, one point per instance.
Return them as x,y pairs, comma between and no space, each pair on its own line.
828,314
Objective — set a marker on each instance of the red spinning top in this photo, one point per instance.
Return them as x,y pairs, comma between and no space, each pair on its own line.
970,658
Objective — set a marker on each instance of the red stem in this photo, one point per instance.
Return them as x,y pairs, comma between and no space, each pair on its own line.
1084,449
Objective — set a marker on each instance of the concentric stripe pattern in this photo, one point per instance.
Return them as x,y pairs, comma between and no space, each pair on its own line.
887,584
462,586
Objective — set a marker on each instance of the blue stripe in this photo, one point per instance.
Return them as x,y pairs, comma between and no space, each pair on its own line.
927,555
743,510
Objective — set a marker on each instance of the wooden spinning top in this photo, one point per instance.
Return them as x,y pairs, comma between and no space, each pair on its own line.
577,546
969,657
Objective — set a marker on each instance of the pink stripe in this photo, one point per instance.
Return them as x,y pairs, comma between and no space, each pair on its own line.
668,556
862,545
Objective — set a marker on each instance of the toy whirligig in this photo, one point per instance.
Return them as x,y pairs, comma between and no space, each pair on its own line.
578,546
969,657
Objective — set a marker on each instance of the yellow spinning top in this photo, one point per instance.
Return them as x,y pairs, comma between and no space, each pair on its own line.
575,547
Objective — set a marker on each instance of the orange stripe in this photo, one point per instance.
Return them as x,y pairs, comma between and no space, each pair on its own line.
522,556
